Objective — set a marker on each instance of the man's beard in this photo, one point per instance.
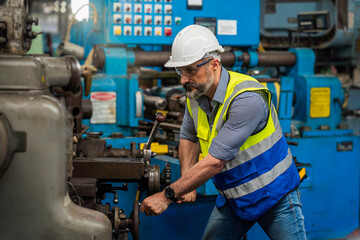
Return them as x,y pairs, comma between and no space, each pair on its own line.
200,89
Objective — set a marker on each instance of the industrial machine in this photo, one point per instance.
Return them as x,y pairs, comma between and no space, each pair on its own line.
131,42
48,159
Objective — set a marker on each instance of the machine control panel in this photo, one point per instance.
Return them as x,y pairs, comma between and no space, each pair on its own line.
135,19
158,21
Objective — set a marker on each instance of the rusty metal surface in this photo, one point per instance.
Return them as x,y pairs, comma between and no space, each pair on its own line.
95,147
18,27
109,168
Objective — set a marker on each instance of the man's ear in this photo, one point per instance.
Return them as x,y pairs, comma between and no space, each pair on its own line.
215,64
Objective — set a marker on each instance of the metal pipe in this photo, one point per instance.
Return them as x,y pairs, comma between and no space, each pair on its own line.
155,101
144,58
268,59
271,58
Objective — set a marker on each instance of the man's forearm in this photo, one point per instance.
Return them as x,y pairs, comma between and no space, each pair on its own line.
188,155
197,175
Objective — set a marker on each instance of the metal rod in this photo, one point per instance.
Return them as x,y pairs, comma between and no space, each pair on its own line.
158,119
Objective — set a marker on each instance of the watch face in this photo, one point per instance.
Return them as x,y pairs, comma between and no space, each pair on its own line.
169,192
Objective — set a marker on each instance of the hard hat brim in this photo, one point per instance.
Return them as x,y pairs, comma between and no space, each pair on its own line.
170,64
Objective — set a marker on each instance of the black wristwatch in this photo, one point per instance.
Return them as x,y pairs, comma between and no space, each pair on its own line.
170,194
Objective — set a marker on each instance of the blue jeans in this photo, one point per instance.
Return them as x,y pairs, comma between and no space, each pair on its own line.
284,221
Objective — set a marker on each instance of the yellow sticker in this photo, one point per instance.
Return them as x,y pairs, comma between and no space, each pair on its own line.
163,112
157,148
42,78
320,102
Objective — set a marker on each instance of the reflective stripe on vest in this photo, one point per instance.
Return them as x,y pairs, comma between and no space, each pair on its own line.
262,161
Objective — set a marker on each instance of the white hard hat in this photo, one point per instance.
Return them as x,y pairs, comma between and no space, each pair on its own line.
191,44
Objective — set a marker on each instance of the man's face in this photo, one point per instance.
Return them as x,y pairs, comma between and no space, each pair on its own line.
196,79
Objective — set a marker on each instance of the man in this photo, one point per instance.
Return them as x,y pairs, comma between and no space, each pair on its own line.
245,151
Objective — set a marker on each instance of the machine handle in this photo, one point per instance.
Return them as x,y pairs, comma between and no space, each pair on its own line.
158,119
87,74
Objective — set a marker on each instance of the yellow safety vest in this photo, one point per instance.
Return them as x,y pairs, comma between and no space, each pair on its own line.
263,170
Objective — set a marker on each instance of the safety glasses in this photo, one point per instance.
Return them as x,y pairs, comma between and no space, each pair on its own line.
190,71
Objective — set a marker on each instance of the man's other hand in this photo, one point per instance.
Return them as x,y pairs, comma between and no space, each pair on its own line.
189,197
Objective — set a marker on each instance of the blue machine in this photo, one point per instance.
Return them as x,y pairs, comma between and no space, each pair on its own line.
309,105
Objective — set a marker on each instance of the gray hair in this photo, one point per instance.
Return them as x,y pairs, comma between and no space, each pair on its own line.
214,54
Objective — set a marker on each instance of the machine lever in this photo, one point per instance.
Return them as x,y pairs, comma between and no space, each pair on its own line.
158,119
87,74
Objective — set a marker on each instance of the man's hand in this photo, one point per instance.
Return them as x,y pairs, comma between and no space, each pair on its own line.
189,197
155,204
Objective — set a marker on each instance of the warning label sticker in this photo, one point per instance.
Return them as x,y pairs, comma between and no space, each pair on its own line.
104,107
227,27
320,102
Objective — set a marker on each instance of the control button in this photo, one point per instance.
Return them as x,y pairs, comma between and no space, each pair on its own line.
117,18
127,31
177,20
148,31
117,7
128,20
148,8
127,7
167,31
137,31
148,20
117,31
167,20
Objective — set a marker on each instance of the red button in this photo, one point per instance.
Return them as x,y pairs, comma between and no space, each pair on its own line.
167,32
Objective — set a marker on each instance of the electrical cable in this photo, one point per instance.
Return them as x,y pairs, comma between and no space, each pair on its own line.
73,19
